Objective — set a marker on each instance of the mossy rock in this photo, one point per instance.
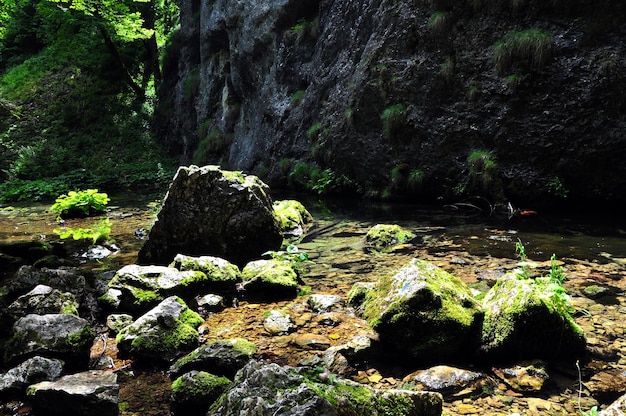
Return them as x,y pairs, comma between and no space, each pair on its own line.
292,215
423,313
271,389
163,333
195,391
269,280
384,236
521,321
224,357
220,273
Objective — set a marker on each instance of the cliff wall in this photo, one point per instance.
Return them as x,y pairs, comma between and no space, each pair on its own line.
514,100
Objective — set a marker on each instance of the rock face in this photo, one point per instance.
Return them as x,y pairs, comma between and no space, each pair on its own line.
77,394
266,389
424,312
397,95
208,211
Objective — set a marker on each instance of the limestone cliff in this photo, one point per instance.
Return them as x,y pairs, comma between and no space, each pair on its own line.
516,100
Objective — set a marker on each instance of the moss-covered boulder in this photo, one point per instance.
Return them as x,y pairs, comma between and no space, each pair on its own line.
269,280
162,334
383,237
423,314
523,321
211,212
136,288
43,300
268,389
224,358
221,274
63,336
293,217
195,391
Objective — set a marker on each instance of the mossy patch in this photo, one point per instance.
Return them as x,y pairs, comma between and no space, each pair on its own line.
291,214
384,236
215,269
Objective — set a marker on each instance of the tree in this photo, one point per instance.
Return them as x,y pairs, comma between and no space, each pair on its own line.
116,21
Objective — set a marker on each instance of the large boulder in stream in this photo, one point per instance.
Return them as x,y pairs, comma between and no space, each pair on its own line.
269,389
208,211
522,320
423,314
162,334
63,336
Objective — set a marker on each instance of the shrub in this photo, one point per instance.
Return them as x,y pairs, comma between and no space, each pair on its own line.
482,167
416,179
438,21
98,233
531,47
80,204
392,118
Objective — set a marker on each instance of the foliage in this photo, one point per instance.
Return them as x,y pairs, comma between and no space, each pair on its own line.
557,188
297,97
482,167
99,232
313,132
292,256
416,179
447,69
80,203
530,48
392,118
70,108
438,21
315,179
550,285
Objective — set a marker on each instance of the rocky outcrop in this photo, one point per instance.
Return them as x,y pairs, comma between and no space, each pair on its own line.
392,98
208,211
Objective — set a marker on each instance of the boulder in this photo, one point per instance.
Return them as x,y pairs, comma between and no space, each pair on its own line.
137,288
269,280
268,389
63,336
209,304
207,211
293,217
223,358
221,274
522,322
324,303
449,381
195,391
79,394
277,322
162,334
385,236
423,314
43,300
65,279
31,371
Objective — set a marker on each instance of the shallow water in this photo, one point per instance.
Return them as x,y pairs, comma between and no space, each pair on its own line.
467,244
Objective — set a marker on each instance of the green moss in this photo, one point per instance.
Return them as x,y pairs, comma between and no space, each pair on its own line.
158,344
234,175
272,272
215,269
204,384
387,235
79,340
244,346
531,48
143,296
291,213
191,318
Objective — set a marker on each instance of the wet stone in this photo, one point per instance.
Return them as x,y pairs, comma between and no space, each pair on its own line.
311,342
524,377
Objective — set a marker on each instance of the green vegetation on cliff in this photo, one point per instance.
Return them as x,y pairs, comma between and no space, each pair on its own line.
77,82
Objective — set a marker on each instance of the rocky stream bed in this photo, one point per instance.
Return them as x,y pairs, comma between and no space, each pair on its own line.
477,249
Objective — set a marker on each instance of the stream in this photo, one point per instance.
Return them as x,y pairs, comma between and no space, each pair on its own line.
475,247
